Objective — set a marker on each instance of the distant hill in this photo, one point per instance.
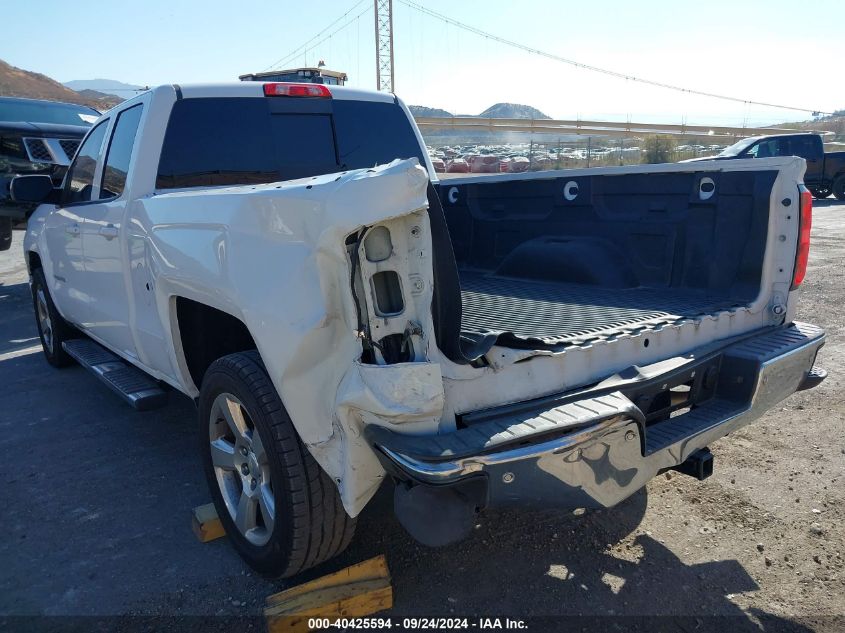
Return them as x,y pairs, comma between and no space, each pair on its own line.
426,111
16,82
107,86
512,111
833,123
103,101
497,111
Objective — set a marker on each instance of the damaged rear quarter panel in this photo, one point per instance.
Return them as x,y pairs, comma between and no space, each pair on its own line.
275,257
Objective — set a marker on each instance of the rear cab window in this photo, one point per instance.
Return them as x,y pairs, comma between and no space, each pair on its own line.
807,146
248,140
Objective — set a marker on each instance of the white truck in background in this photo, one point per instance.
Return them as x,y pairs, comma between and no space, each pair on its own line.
278,253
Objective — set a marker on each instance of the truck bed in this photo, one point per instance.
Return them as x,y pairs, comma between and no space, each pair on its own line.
559,259
535,313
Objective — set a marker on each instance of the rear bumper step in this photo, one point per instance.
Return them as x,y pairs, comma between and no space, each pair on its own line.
596,450
130,383
813,378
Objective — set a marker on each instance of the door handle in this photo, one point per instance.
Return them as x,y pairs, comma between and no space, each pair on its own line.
109,231
72,229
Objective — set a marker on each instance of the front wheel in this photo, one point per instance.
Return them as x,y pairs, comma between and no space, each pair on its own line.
819,193
281,511
839,187
53,330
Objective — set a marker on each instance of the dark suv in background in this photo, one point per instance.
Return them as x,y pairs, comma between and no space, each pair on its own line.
825,170
36,137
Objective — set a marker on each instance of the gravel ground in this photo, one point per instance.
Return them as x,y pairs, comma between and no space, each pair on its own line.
96,502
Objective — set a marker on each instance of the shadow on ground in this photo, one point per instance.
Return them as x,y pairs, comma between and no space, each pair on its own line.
96,517
17,322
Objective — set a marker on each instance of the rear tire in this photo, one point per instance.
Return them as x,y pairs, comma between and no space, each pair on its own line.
281,511
53,330
839,187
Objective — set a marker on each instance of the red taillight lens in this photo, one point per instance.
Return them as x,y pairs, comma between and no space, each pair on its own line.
805,224
296,90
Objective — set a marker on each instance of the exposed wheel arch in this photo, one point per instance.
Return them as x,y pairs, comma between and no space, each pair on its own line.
206,334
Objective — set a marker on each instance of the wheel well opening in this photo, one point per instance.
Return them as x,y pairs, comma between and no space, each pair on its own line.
208,334
33,260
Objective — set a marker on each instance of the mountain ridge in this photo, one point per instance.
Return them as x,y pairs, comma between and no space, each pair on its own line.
495,111
17,82
104,86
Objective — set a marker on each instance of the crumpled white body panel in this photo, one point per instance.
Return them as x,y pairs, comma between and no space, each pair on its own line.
275,257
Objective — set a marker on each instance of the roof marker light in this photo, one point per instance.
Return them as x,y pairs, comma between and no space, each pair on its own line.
296,90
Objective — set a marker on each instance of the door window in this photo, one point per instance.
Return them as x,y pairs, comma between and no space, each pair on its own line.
119,153
784,147
764,149
79,182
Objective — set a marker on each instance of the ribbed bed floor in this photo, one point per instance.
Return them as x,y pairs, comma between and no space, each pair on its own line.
554,313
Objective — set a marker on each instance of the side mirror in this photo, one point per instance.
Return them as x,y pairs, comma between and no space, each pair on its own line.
33,189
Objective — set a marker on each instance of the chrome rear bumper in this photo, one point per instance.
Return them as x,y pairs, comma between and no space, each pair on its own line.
596,450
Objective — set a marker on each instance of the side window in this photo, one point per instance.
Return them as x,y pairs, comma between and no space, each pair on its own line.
79,182
785,147
764,149
805,146
119,153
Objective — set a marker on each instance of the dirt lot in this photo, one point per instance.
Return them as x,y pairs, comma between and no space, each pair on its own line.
96,502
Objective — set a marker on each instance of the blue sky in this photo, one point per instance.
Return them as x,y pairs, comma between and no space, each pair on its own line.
760,50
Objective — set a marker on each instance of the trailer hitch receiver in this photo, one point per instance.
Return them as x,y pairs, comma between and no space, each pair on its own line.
698,465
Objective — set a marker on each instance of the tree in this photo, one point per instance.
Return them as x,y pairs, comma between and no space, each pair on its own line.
657,149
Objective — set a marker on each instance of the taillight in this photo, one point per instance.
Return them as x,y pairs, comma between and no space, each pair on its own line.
296,90
805,224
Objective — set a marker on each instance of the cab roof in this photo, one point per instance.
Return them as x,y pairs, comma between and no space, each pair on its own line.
256,89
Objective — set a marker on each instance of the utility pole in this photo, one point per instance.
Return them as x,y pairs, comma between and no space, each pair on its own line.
384,45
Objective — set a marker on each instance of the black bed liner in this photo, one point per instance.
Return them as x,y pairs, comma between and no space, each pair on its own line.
562,259
552,314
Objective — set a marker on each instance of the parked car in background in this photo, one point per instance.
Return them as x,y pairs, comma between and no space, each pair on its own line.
36,137
457,166
825,173
486,164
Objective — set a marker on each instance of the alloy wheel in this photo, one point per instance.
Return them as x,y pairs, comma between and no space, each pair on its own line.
242,469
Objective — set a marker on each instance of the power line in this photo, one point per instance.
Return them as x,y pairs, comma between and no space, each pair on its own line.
300,49
604,71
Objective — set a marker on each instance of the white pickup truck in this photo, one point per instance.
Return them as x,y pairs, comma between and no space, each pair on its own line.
279,253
